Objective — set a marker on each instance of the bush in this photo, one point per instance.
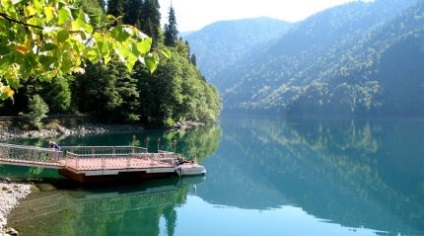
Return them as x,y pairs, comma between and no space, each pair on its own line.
37,110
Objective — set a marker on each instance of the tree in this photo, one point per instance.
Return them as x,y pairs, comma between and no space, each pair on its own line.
115,7
112,87
193,59
132,12
37,110
51,38
171,31
150,19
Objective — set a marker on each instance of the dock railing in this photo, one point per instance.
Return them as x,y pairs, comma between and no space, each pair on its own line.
86,157
21,153
131,157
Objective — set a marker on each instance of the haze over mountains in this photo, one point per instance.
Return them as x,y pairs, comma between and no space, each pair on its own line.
355,59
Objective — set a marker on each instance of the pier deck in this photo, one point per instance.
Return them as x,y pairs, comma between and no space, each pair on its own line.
91,163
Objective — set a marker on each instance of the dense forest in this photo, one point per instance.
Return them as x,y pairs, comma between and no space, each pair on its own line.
176,92
360,58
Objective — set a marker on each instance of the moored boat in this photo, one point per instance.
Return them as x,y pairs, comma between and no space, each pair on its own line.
190,169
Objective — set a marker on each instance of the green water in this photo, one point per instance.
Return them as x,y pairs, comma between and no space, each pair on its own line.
266,176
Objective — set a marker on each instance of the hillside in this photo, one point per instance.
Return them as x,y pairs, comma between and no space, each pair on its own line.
358,58
223,44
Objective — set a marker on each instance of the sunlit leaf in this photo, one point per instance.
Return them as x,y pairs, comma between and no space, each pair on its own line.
119,33
64,15
62,36
30,10
7,90
151,63
144,46
49,12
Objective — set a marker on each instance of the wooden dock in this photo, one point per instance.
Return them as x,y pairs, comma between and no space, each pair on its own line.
94,163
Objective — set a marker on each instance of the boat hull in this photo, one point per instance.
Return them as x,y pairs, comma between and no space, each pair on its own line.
191,170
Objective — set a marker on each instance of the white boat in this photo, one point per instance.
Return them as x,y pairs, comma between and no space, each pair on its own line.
190,169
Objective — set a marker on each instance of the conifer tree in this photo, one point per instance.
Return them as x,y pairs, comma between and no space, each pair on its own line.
115,7
132,12
150,19
193,59
171,31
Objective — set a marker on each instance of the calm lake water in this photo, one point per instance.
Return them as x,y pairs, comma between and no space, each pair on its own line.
266,176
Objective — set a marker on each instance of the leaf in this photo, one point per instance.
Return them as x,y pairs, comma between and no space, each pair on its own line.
62,36
49,12
94,55
7,90
48,47
64,15
110,19
95,19
119,34
47,62
66,65
30,10
144,46
22,49
131,60
151,63
103,47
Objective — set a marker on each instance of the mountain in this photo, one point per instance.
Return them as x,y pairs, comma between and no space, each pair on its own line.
355,59
222,44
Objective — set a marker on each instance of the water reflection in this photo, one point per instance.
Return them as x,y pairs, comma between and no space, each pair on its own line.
363,173
113,210
265,176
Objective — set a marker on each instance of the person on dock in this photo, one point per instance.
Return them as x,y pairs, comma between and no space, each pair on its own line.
54,145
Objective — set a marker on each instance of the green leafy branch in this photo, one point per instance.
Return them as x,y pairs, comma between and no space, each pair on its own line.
50,38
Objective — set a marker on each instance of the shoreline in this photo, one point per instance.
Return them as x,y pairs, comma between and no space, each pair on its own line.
10,194
6,133
59,131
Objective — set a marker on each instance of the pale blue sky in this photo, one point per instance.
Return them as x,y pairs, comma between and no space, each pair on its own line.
195,14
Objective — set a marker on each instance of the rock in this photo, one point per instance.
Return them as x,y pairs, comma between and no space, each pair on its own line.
9,197
34,189
46,187
11,231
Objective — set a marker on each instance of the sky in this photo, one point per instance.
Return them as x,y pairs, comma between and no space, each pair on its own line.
195,14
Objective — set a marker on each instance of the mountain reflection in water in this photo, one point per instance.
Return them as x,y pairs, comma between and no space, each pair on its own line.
266,176
357,173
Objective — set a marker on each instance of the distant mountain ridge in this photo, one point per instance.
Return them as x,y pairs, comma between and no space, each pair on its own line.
222,44
358,58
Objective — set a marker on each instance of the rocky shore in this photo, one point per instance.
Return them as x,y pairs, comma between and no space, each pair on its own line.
8,133
60,131
10,194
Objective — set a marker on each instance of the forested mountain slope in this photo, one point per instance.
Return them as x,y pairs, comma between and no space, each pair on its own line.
358,58
222,44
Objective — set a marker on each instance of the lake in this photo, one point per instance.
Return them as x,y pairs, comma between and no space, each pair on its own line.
266,176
